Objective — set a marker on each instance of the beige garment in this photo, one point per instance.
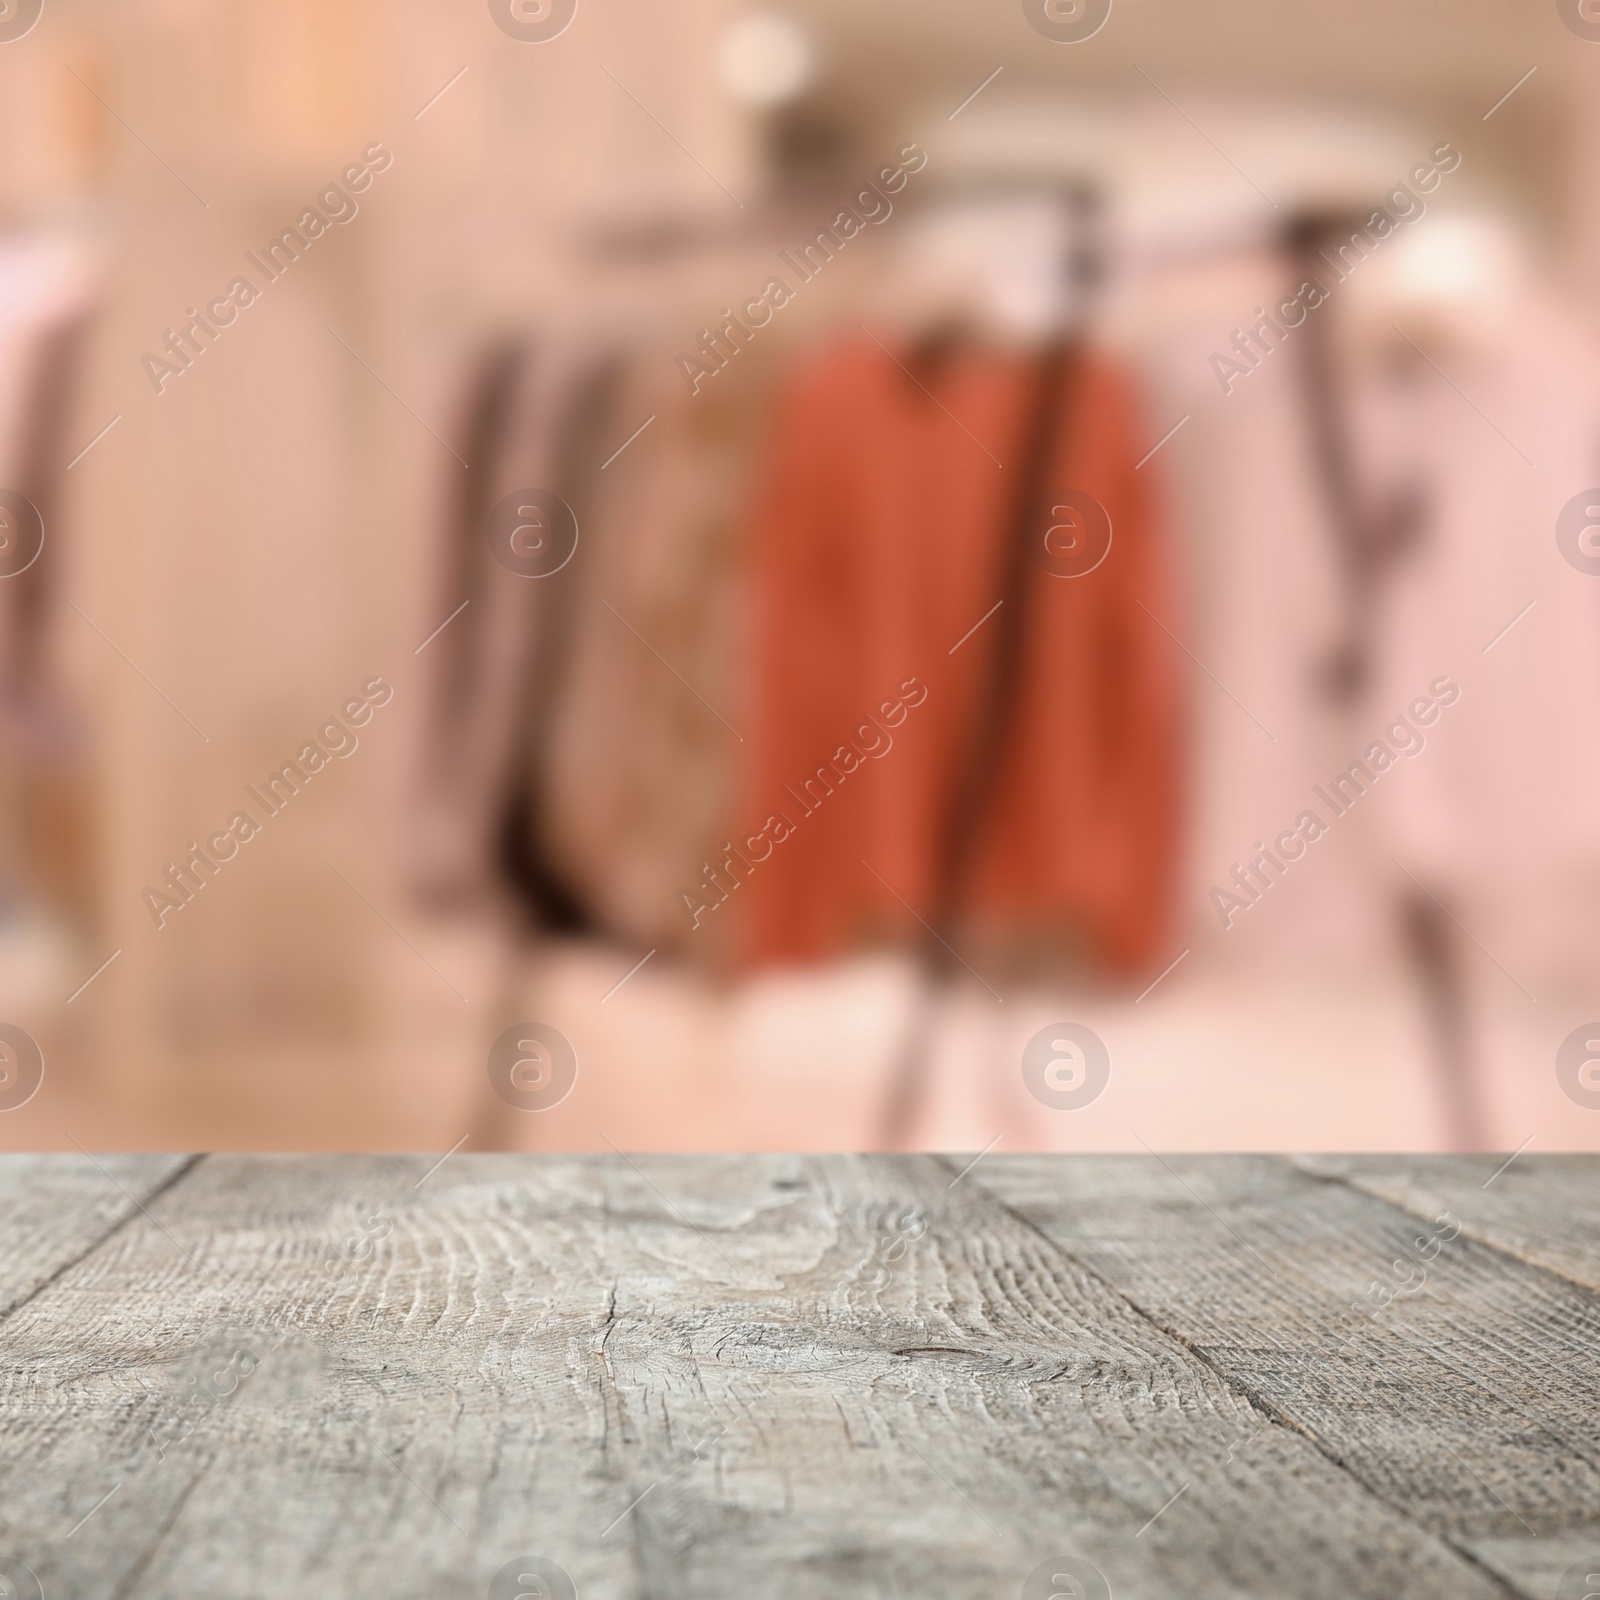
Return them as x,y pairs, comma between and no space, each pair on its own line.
640,764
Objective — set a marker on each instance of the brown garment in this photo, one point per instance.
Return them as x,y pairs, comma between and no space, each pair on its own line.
881,540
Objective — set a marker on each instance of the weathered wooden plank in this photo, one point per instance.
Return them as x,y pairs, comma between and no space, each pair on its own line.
1543,1209
56,1208
1463,1390
988,1405
1548,1566
415,1406
707,1376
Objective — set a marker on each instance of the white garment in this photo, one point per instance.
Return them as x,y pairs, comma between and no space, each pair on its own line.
1259,613
1496,816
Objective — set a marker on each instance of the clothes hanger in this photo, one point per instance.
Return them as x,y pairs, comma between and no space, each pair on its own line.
1008,262
1370,540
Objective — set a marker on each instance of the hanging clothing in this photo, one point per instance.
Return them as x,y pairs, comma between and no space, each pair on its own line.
642,750
1491,434
579,746
489,673
881,536
46,288
48,285
1502,427
1257,551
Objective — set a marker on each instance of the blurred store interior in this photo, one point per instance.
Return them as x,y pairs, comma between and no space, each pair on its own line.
803,551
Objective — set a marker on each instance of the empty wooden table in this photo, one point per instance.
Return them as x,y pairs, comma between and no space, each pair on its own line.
714,1376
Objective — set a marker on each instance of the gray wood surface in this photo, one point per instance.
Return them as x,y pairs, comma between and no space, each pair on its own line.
794,1376
55,1209
1544,1209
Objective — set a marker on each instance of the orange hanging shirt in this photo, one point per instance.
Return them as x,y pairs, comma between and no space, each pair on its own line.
881,540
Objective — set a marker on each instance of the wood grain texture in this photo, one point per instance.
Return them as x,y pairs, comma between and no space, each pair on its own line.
1543,1209
54,1209
798,1376
1463,1391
